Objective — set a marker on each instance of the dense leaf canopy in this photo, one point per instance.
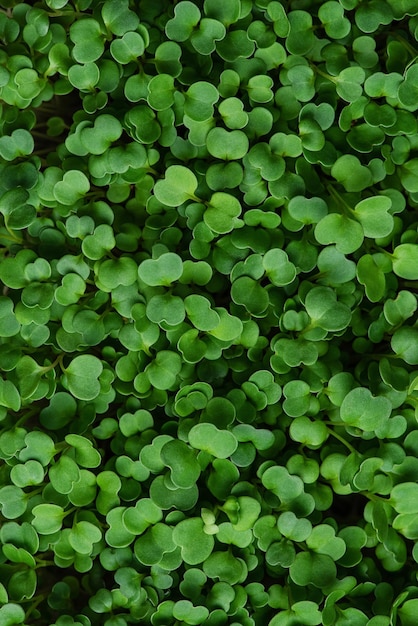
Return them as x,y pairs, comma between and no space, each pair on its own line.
208,329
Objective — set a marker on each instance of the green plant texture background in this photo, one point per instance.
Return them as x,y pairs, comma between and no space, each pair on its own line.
208,312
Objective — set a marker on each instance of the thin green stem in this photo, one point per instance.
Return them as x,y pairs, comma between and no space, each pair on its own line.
25,417
41,563
374,497
410,283
342,440
12,235
46,137
412,51
58,360
34,604
338,197
316,69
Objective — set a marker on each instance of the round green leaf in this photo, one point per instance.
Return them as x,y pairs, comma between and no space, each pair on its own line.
373,215
88,40
47,518
372,277
63,474
184,467
161,92
163,371
222,212
128,48
219,443
71,188
151,547
311,433
178,186
19,143
84,77
324,310
336,25
26,474
166,309
12,614
227,14
278,268
404,343
405,261
83,535
205,37
200,313
195,544
13,501
348,171
97,139
349,83
318,570
407,92
284,485
181,26
144,514
345,233
363,410
407,612
162,271
9,395
118,18
82,376
227,145
250,294
200,98
225,567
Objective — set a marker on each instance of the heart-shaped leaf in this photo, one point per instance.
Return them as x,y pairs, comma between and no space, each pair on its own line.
178,186
71,188
219,443
82,376
227,145
278,268
18,144
405,261
162,271
363,410
345,233
194,543
352,175
222,212
373,215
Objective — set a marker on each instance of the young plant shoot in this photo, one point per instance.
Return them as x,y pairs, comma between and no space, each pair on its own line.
208,313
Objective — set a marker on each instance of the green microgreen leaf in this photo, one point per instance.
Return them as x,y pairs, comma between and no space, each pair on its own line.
196,546
186,17
48,518
162,271
82,376
363,410
88,40
178,186
206,206
222,212
405,261
227,145
71,188
208,437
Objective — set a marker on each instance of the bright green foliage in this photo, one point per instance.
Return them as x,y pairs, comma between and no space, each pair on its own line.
82,376
162,271
178,186
208,313
222,212
209,438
